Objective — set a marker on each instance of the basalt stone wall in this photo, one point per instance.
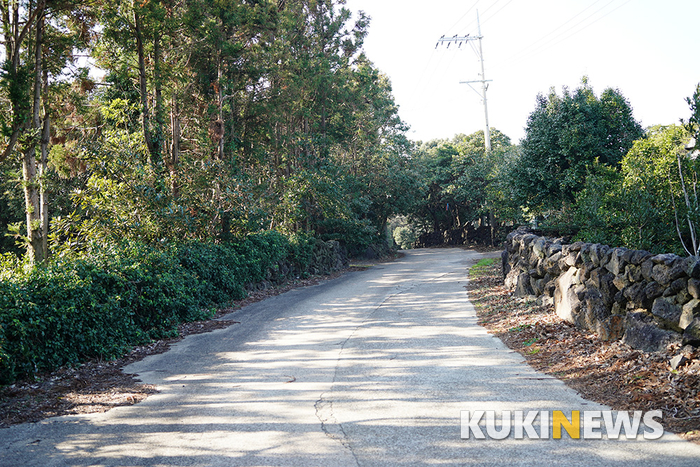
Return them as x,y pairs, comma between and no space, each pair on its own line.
647,300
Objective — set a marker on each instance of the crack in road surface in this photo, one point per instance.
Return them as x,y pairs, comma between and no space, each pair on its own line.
370,369
324,405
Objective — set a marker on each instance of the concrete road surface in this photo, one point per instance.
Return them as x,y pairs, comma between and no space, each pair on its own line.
369,369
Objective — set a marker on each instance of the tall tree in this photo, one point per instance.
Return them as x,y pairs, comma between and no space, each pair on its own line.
38,39
565,135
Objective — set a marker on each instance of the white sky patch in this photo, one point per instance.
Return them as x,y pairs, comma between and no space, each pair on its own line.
645,48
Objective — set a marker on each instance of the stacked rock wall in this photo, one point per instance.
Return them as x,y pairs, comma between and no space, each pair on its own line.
647,300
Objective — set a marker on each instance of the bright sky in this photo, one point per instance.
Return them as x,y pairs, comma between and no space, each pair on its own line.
648,49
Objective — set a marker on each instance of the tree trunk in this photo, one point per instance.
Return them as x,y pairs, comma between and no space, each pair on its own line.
15,33
160,120
220,104
43,195
175,148
145,117
35,245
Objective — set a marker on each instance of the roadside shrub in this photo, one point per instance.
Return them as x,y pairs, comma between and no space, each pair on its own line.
110,297
217,271
355,235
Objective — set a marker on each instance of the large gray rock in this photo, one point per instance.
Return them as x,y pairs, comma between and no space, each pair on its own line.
621,282
679,269
511,279
661,273
597,254
668,313
666,258
691,333
689,313
694,288
647,268
642,333
616,265
633,273
653,290
692,267
569,259
636,294
596,316
527,239
602,280
539,246
553,248
540,269
679,285
666,273
566,300
639,257
505,265
576,246
551,263
523,287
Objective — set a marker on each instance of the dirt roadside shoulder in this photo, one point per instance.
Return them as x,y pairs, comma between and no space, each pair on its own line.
611,373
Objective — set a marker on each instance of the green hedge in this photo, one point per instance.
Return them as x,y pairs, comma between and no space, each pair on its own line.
111,298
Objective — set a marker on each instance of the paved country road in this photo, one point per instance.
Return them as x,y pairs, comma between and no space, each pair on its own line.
371,369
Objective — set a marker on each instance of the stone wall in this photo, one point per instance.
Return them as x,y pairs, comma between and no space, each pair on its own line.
647,300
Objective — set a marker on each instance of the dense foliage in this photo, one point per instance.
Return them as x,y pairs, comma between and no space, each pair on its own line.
586,169
101,302
461,184
209,120
634,206
565,136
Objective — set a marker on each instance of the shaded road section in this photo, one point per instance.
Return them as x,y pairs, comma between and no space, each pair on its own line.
371,369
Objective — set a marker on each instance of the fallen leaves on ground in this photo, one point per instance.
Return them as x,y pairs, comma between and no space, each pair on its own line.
611,373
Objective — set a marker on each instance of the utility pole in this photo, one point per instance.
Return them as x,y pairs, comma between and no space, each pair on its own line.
464,39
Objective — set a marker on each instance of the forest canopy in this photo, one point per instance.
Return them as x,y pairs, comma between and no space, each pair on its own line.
164,121
209,120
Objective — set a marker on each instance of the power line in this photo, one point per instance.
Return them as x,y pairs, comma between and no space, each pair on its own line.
422,84
499,10
534,48
484,13
595,20
535,44
464,15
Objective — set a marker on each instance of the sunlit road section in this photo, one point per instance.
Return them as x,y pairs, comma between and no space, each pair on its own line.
370,369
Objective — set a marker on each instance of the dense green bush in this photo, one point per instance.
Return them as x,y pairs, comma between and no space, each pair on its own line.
634,206
355,235
109,298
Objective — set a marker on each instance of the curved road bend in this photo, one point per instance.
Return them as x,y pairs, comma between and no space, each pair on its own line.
369,369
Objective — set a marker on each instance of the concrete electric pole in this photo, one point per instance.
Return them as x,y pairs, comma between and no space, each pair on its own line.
464,39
